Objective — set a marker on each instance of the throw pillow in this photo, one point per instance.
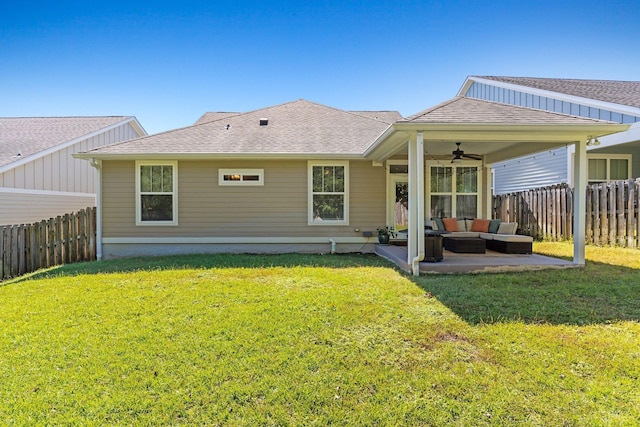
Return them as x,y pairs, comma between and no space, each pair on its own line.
508,228
481,225
493,226
468,223
450,224
439,224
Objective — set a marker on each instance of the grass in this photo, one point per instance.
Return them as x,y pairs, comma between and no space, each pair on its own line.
320,340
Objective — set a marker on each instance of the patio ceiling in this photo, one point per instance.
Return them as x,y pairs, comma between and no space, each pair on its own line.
494,131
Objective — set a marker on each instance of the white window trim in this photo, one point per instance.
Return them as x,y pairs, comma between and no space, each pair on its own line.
453,193
609,157
174,193
310,165
242,173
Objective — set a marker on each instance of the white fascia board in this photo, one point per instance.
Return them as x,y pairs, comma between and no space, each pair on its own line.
618,108
59,147
512,132
465,86
135,124
214,156
44,192
232,240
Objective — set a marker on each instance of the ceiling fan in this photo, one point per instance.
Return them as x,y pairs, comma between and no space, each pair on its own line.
458,155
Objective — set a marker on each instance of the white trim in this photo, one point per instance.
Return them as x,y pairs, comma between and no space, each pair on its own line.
174,192
63,145
610,106
232,240
241,173
45,192
310,165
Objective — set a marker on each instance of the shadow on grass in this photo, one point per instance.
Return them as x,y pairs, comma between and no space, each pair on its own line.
206,261
596,294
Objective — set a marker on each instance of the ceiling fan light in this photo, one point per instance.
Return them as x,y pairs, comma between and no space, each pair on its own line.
456,159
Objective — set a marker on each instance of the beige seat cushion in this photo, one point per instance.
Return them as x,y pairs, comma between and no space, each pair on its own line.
512,238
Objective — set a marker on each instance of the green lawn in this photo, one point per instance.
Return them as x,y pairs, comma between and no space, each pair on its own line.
321,340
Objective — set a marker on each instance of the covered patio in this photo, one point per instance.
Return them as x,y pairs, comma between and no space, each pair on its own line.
489,262
493,132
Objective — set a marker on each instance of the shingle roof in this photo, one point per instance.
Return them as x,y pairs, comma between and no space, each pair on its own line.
614,91
465,110
21,137
298,127
213,116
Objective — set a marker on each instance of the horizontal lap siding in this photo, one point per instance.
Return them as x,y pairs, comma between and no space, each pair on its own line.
206,209
539,170
20,208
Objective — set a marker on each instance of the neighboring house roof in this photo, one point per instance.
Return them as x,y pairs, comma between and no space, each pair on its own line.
21,137
463,110
614,91
294,128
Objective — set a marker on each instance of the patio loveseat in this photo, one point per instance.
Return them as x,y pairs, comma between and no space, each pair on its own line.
499,236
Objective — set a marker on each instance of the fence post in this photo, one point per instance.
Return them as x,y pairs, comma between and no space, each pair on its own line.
2,253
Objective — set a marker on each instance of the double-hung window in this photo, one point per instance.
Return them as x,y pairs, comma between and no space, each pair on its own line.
328,193
156,193
454,191
608,167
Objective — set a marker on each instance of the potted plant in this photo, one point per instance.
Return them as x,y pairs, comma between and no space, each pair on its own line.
385,234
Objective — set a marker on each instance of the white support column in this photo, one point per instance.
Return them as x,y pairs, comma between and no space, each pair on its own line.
412,242
579,201
415,252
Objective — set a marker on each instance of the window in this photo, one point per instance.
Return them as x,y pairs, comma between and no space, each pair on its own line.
156,197
328,193
240,176
608,168
454,191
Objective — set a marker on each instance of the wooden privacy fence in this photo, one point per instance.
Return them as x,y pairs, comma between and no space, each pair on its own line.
547,213
61,240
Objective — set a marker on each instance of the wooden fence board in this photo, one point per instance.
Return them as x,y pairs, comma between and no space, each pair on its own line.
612,214
60,240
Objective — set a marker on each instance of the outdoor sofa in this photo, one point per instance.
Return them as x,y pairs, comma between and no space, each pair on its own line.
499,236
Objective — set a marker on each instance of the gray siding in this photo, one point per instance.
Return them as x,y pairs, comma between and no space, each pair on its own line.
205,209
540,170
27,208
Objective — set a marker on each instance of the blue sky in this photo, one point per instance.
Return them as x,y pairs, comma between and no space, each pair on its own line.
169,62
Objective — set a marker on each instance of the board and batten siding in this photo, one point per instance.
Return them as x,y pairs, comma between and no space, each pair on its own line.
58,171
276,209
539,170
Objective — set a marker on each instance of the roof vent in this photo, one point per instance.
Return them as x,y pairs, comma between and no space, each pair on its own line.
264,122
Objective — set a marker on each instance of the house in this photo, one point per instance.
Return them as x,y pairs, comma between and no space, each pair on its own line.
616,157
304,177
39,178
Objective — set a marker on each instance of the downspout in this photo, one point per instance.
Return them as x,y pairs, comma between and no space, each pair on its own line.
333,246
419,175
97,164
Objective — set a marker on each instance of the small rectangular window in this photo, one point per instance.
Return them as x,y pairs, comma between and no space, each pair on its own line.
241,177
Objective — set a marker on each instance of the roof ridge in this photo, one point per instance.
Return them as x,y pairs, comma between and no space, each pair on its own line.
432,109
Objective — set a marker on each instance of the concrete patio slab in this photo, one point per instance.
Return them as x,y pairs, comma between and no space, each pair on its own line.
489,262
